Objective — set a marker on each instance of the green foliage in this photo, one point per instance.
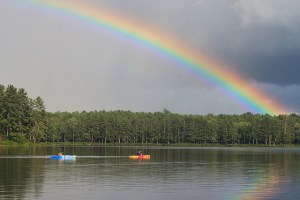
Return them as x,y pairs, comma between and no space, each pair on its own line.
169,128
24,119
19,115
17,137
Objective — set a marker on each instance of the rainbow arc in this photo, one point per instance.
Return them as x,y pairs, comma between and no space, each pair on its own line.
230,83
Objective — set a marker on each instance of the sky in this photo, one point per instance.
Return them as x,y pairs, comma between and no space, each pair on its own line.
75,67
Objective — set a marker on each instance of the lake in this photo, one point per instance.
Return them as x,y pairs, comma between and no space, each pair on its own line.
172,173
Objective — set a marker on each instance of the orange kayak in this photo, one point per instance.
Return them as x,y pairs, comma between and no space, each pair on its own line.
139,157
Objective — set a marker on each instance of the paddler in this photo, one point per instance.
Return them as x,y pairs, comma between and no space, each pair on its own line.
60,153
139,153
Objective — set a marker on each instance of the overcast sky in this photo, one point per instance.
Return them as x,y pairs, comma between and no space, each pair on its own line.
75,67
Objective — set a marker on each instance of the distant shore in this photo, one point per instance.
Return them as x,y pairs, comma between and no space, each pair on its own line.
11,143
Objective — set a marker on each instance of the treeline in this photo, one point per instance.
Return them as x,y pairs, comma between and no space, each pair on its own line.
23,119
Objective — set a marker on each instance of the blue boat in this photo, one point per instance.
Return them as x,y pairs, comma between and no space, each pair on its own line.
63,157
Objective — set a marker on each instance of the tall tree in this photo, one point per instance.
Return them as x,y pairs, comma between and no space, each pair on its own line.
9,111
2,119
38,120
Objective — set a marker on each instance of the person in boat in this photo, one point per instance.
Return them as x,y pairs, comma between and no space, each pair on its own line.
139,153
60,153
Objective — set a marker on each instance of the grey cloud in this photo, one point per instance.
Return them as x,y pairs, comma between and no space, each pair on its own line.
264,41
268,12
280,69
74,66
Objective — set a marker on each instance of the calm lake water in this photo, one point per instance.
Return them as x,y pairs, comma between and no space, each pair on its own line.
171,173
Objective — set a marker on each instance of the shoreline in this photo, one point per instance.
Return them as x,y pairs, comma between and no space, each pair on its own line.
9,144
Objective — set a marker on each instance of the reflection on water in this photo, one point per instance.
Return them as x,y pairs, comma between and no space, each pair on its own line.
171,173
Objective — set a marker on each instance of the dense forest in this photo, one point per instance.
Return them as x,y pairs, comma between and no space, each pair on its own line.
23,119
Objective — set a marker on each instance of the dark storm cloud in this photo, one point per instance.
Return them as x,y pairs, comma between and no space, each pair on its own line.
267,45
267,54
277,69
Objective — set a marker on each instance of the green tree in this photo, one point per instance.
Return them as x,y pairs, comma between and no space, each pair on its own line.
244,130
2,119
72,125
53,129
38,121
297,132
9,111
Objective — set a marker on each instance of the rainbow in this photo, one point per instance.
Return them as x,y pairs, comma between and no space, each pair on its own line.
163,44
262,188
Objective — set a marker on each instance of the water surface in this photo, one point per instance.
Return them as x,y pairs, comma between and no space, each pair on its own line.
171,173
